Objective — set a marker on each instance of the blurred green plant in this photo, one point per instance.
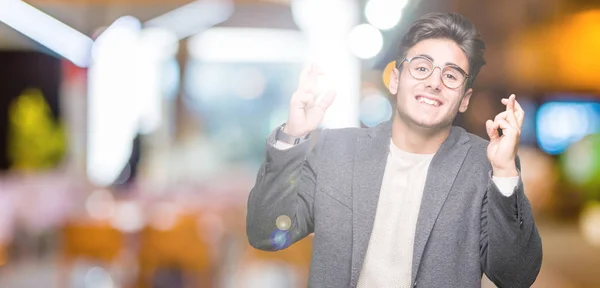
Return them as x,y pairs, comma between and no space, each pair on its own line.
581,165
35,140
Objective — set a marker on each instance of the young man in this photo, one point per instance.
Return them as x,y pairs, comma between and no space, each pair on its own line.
413,201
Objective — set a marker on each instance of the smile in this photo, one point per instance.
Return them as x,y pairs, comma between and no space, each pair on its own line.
428,101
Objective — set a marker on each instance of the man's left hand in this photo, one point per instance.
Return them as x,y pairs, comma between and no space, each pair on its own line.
502,150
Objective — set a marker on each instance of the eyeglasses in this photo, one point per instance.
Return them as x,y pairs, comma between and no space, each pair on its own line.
421,68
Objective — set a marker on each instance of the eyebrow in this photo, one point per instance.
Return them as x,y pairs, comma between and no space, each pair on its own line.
447,63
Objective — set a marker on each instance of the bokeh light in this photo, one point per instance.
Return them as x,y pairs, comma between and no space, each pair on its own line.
576,51
589,223
100,205
250,83
98,277
163,216
581,163
387,73
280,239
283,222
375,109
128,217
365,41
561,123
384,14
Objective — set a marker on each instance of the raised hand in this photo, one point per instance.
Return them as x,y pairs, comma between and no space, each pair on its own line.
502,150
305,112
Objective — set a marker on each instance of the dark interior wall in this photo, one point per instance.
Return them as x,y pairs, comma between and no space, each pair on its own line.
20,70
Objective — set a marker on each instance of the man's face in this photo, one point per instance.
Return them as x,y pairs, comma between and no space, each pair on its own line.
428,103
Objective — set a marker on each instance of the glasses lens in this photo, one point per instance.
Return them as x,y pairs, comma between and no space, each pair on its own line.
452,77
420,67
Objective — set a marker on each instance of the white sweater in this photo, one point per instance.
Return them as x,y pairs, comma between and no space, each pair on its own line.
388,260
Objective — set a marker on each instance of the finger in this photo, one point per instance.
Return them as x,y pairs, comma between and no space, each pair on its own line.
519,113
507,102
504,115
492,130
308,79
327,100
304,77
512,119
505,126
511,103
517,106
303,100
508,115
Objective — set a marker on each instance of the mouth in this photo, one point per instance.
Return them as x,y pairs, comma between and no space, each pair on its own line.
428,101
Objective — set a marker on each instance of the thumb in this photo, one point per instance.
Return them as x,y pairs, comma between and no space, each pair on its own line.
327,100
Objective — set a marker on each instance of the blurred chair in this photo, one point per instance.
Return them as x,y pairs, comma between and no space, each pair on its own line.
93,240
3,254
178,248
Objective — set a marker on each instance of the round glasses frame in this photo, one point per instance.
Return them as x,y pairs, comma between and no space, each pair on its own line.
408,60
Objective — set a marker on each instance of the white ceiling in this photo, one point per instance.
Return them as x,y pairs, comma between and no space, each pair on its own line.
86,19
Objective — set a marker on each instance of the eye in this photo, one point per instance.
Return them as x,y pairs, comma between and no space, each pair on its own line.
451,77
452,74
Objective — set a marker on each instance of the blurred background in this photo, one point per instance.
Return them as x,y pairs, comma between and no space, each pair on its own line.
131,131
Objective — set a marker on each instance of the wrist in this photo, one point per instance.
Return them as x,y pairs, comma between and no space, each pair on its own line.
289,137
293,132
505,172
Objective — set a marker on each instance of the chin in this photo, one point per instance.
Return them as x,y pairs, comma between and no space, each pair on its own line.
430,124
425,123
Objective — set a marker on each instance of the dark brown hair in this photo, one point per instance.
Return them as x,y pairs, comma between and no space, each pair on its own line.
448,26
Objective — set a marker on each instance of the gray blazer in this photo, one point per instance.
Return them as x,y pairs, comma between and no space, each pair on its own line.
330,186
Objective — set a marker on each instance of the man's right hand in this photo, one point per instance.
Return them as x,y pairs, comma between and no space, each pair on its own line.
305,113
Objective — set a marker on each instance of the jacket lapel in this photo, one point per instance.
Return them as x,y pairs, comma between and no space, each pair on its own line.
442,173
370,158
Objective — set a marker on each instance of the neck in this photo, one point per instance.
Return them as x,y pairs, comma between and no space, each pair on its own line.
418,140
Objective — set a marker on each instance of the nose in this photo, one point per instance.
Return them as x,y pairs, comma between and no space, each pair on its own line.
435,79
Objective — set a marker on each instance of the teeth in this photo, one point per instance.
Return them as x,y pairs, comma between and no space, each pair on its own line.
429,101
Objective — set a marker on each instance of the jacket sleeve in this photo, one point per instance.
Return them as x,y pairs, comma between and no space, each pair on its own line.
284,189
510,245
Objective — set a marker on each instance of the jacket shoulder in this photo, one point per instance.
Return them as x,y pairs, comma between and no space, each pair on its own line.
477,141
478,152
343,133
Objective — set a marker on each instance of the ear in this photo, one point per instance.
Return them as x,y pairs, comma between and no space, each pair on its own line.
393,86
464,103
